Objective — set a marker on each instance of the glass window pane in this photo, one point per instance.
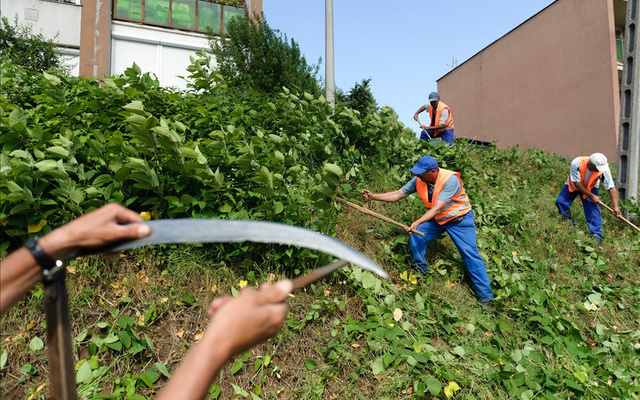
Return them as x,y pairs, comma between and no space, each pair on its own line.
619,49
129,9
156,11
208,16
183,13
230,13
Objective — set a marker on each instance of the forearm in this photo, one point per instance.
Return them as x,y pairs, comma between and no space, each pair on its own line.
429,215
613,193
388,197
237,325
19,272
436,127
197,371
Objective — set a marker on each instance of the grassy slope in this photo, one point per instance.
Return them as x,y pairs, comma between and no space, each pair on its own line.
540,340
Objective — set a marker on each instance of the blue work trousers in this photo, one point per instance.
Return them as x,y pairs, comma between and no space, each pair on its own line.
463,235
591,209
446,136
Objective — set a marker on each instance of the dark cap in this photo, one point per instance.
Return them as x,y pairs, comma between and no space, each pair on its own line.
434,96
424,164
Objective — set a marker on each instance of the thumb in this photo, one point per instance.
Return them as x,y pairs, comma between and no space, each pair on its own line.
276,293
134,231
216,304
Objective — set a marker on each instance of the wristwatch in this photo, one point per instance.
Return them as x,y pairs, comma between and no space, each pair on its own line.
45,261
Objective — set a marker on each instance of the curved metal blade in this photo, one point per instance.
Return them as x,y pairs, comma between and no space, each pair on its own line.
224,231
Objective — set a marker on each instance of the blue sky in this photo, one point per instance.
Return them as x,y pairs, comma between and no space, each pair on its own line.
402,46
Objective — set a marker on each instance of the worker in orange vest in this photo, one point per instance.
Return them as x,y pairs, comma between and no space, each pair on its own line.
441,120
585,174
450,211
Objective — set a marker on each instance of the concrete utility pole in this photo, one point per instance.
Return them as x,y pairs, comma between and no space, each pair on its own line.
330,83
629,134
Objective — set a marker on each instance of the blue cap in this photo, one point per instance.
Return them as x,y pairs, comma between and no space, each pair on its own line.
424,164
434,96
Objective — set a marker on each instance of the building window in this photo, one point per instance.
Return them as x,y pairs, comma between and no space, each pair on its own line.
619,42
195,15
229,14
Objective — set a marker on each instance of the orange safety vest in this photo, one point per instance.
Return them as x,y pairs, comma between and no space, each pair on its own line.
458,205
584,161
439,110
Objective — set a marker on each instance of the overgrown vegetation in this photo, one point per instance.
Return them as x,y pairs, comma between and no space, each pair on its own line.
360,98
567,317
260,58
20,46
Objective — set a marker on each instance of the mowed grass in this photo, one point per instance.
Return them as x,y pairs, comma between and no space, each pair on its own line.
566,322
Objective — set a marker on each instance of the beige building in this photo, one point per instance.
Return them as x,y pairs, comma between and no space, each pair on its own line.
551,83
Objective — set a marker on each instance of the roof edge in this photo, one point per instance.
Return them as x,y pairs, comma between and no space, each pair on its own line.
490,44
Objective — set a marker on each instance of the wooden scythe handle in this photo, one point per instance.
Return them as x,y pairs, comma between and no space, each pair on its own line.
375,214
621,217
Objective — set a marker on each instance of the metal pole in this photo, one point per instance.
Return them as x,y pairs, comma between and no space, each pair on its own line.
330,84
629,134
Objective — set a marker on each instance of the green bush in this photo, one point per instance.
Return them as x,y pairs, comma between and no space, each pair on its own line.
20,46
361,99
70,145
260,58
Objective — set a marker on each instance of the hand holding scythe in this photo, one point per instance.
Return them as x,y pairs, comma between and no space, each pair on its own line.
367,195
618,215
254,315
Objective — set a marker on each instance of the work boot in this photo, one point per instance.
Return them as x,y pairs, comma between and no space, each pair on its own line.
598,239
422,268
488,304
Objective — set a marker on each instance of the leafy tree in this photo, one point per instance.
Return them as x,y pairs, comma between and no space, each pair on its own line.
255,56
19,46
360,98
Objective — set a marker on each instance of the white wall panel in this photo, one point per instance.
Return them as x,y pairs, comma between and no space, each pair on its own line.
48,18
164,52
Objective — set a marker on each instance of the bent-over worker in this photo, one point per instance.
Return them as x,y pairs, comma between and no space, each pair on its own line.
585,174
441,120
450,211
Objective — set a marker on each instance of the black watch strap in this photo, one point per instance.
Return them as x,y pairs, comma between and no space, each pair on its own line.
46,262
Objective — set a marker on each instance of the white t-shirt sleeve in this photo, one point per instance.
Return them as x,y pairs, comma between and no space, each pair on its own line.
574,173
443,117
608,180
